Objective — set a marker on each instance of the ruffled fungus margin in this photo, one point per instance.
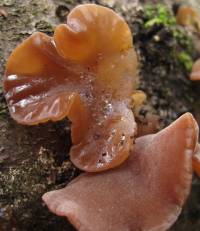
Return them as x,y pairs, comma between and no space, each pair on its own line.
86,72
146,193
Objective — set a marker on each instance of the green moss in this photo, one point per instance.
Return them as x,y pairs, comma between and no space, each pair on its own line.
158,15
161,15
183,39
185,59
186,48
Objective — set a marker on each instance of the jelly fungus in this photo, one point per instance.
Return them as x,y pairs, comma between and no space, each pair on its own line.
196,160
188,16
195,75
147,192
85,72
138,97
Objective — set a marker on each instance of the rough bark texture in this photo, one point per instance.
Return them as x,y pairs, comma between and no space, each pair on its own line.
34,160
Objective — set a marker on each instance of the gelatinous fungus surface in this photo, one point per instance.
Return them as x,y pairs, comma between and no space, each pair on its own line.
195,75
86,72
145,193
196,160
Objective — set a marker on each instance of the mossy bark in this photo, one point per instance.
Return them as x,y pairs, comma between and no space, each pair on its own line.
34,160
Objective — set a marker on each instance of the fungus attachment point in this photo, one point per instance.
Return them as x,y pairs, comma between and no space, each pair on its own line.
86,72
195,75
156,177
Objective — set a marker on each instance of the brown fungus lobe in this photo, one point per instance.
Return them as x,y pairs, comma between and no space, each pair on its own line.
196,160
195,75
188,16
147,192
86,72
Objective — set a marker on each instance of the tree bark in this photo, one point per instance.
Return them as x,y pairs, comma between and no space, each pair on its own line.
34,160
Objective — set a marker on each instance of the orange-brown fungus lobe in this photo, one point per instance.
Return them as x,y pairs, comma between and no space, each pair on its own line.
86,72
196,160
146,193
188,16
195,75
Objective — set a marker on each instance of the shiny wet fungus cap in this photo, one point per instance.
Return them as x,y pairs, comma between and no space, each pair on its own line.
92,30
147,192
85,72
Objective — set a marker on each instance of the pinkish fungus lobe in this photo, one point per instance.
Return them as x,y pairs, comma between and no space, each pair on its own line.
196,160
147,192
